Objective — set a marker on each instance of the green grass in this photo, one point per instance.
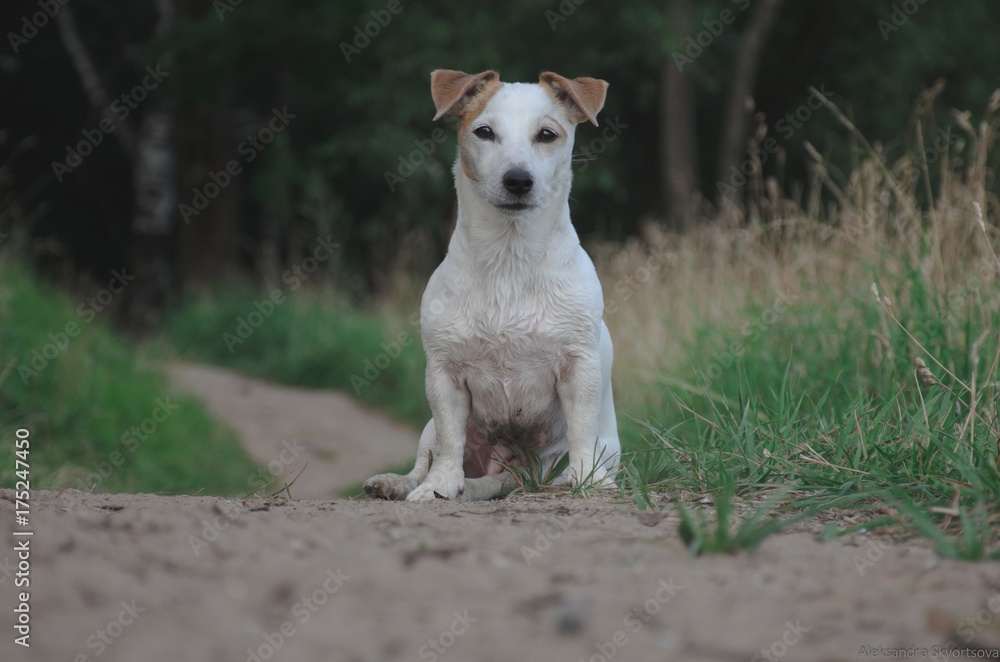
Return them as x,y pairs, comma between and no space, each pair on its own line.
726,536
974,541
80,406
308,340
831,401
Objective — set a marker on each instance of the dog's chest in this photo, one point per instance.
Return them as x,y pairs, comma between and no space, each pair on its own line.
516,345
508,355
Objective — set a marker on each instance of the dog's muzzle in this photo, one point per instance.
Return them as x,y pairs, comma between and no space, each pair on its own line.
518,182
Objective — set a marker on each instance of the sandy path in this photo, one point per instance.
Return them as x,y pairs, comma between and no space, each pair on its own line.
145,578
149,578
283,427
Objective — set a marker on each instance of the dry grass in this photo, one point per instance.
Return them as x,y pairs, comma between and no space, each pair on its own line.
885,218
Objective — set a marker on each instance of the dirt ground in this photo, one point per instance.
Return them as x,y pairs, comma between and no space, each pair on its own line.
283,428
144,578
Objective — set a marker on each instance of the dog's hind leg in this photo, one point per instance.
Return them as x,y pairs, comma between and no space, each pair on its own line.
397,486
487,487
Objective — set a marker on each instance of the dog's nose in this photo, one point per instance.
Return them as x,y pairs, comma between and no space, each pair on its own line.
518,181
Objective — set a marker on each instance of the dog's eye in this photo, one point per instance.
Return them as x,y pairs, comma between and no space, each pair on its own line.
484,132
546,136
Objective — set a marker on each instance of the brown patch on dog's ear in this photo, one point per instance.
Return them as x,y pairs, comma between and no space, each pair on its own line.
452,90
582,97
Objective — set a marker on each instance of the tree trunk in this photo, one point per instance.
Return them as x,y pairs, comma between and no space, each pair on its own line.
154,174
153,160
678,140
739,100
91,81
209,242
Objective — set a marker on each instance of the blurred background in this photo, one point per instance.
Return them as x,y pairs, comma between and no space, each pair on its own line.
690,82
166,166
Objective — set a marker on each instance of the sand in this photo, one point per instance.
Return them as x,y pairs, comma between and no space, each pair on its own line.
145,578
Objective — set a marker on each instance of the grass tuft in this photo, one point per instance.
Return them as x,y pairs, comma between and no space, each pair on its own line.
98,417
727,537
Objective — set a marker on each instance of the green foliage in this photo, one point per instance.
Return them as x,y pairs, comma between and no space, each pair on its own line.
98,417
308,340
367,110
828,399
529,473
698,536
975,541
362,103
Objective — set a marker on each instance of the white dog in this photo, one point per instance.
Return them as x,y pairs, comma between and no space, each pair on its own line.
518,356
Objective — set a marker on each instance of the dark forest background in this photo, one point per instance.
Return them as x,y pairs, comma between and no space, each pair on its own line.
164,95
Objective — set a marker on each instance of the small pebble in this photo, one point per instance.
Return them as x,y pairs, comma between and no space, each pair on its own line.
571,615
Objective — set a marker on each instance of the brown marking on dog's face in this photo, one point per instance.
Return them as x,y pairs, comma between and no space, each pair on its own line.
472,111
582,98
453,90
464,96
556,126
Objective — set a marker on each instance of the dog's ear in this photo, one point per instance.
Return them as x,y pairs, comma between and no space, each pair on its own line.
583,97
452,90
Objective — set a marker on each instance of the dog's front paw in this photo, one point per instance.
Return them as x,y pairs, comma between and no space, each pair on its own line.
389,486
438,487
